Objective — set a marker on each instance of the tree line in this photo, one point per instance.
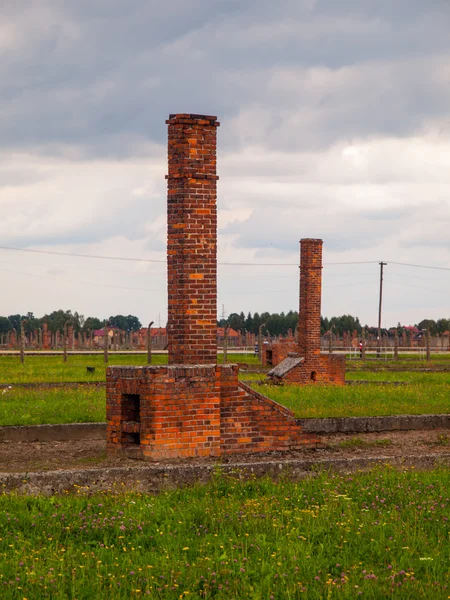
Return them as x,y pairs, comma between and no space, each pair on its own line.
279,324
58,318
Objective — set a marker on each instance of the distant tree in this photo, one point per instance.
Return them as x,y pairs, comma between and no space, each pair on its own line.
92,323
15,321
128,323
442,325
249,322
57,318
428,324
345,323
5,325
236,321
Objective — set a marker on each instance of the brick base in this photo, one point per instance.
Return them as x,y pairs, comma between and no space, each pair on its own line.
183,411
322,368
274,354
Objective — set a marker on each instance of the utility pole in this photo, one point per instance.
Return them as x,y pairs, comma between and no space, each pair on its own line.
382,264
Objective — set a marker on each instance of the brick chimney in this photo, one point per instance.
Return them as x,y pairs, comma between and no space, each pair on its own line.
310,297
192,239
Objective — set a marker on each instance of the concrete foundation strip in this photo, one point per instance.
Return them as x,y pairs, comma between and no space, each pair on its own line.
156,478
97,431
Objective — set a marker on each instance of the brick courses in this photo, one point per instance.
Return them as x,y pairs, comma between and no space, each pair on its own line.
316,367
192,407
192,239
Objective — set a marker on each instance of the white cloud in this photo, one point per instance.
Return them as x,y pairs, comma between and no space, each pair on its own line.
335,124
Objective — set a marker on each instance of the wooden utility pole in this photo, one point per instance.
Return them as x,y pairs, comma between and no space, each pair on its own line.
382,264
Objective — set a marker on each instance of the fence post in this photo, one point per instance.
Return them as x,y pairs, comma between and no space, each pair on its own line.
105,343
65,341
225,343
260,341
22,340
149,343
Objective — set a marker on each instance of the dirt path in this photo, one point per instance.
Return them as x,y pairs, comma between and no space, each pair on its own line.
23,457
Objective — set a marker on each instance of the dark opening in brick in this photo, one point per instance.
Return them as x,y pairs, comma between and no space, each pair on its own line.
131,416
313,376
131,407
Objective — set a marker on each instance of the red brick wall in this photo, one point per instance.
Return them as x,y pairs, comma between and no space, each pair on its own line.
328,368
192,239
251,422
273,354
193,411
179,412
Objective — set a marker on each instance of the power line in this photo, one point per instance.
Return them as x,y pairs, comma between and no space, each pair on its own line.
231,264
150,260
392,262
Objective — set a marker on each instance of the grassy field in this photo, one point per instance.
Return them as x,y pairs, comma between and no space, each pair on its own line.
425,392
53,369
376,535
42,406
404,361
361,401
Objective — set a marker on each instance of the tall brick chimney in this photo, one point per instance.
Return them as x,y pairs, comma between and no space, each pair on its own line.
310,297
192,239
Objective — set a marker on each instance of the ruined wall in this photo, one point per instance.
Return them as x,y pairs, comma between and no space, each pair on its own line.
183,411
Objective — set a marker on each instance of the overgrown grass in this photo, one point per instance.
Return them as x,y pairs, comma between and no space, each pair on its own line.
315,401
358,442
403,376
53,369
404,361
41,406
376,535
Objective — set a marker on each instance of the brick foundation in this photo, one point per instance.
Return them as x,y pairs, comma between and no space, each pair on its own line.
183,411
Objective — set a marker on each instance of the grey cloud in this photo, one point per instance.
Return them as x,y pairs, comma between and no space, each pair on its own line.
104,75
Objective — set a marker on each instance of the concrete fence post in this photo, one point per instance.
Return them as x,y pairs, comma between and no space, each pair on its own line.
149,343
225,343
105,344
22,340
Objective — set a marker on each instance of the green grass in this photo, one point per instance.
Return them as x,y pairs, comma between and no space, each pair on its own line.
53,369
314,401
404,361
357,442
376,535
41,406
402,376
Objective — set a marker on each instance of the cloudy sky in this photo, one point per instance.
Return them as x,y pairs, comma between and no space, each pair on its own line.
335,123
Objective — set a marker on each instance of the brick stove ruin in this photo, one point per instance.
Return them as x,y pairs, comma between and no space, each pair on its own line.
192,407
301,361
